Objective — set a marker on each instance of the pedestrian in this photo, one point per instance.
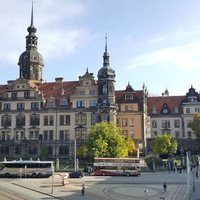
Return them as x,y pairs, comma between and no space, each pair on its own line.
197,173
146,194
83,190
165,187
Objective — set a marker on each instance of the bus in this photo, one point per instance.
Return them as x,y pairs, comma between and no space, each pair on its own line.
26,168
118,166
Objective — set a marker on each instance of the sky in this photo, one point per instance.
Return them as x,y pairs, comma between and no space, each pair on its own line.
151,42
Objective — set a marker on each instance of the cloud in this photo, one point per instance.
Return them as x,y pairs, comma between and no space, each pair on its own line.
183,57
57,24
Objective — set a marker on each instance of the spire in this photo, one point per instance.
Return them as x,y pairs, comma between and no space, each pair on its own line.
106,43
31,29
106,54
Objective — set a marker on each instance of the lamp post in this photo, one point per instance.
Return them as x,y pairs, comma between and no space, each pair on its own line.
193,183
75,151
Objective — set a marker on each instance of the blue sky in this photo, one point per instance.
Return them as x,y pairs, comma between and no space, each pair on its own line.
155,42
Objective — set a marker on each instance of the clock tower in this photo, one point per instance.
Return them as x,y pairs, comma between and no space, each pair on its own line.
31,61
106,90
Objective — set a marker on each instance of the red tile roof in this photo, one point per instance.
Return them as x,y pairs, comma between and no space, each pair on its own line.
159,101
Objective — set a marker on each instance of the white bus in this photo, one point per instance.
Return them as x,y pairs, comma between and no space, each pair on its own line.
26,168
118,166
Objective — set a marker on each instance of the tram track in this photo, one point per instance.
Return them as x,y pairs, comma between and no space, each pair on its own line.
8,195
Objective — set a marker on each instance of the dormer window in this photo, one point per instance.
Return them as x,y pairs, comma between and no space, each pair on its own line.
63,102
154,110
176,110
51,103
165,109
128,97
192,99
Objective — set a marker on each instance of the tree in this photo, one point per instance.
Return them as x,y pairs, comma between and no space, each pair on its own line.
164,144
195,124
105,140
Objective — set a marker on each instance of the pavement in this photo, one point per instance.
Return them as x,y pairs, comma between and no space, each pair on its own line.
99,188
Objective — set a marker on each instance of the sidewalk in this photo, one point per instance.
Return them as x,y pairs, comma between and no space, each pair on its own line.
195,195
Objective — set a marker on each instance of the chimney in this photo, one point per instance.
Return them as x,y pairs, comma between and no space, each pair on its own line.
59,80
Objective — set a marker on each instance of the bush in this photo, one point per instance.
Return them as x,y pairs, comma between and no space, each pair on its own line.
150,159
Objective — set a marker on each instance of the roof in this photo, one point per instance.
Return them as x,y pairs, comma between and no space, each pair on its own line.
120,95
171,101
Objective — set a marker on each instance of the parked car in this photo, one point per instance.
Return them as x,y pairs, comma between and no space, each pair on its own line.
76,174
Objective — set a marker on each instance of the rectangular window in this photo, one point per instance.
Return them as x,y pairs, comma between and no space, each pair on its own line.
132,134
124,122
94,118
187,110
20,106
35,105
34,120
81,134
188,123
93,103
197,109
165,124
154,124
92,92
177,134
6,106
27,95
45,135
176,123
80,104
48,135
64,135
14,95
125,133
64,120
48,120
82,92
20,121
6,120
80,119
131,122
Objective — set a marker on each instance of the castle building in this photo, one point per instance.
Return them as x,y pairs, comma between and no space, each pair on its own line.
44,119
173,114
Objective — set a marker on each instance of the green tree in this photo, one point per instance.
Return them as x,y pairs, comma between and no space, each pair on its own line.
164,144
105,140
44,152
195,124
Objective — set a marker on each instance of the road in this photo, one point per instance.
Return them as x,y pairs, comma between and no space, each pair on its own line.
98,188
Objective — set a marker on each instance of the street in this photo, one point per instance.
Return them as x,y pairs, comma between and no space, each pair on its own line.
148,185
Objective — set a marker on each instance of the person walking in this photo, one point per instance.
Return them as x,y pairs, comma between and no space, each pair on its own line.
197,173
83,190
165,187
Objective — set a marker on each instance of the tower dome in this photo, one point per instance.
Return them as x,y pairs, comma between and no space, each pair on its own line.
106,71
31,61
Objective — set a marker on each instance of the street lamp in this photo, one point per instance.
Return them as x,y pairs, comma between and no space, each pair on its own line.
79,130
193,183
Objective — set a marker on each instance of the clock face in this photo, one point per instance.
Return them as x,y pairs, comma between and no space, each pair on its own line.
165,110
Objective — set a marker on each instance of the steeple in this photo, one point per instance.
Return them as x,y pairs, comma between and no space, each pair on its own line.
31,38
106,71
31,61
106,55
106,90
